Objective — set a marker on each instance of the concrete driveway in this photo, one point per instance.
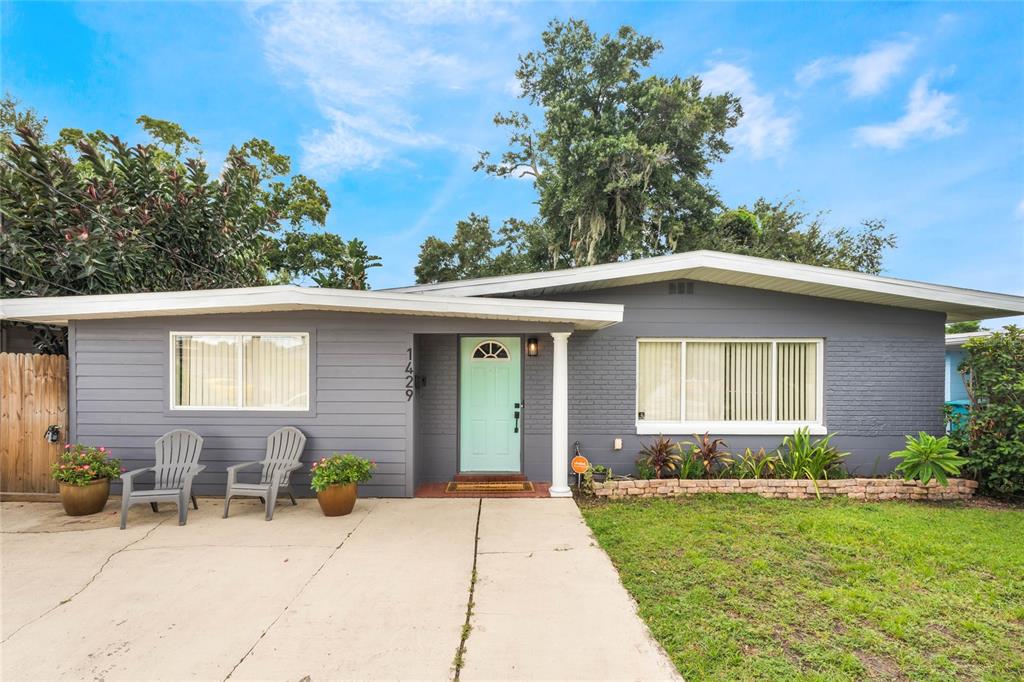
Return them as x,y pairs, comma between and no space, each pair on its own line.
380,594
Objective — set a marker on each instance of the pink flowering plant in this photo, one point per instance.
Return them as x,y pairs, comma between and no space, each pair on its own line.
341,469
83,464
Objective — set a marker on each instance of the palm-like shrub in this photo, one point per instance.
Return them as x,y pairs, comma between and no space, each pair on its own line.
927,457
659,456
710,453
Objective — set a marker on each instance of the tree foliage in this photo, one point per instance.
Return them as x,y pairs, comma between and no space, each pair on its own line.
327,259
963,327
477,251
994,367
622,162
92,214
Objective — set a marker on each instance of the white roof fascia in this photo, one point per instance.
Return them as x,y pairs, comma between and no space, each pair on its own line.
956,340
761,273
59,310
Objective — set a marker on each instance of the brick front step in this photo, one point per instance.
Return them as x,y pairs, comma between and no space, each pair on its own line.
483,478
867,489
438,490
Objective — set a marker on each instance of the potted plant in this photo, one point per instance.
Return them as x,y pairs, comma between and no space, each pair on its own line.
83,473
600,473
335,479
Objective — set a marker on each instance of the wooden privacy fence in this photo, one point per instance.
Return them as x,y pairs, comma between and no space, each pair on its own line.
33,395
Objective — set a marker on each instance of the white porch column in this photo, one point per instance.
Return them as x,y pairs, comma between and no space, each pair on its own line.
560,416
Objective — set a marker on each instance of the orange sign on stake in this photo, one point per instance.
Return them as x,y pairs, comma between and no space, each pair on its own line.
580,464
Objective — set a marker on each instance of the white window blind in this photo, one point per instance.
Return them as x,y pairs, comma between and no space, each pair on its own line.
797,382
240,371
660,380
752,381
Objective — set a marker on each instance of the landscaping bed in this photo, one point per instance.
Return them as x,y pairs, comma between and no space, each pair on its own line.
869,489
739,587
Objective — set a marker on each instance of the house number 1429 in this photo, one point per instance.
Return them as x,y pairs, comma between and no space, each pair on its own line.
410,377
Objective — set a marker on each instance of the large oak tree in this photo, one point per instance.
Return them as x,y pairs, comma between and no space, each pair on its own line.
621,160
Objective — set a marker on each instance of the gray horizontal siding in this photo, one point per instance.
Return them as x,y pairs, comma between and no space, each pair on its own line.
121,373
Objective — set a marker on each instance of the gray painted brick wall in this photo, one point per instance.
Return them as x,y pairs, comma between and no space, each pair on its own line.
883,366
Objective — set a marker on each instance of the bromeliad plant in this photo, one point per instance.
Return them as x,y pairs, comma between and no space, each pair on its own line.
927,457
82,464
340,470
659,456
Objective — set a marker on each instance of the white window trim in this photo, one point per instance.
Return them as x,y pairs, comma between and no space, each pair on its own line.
646,427
172,385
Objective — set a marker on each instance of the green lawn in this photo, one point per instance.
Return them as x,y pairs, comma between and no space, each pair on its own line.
738,587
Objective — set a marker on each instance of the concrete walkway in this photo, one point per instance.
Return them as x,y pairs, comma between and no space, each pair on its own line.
379,594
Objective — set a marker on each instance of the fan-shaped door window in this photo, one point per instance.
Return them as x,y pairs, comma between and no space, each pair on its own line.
490,350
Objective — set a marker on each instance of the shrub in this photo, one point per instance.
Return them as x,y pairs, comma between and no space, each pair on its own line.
644,471
83,464
756,465
800,457
341,469
659,456
690,467
995,426
710,453
927,457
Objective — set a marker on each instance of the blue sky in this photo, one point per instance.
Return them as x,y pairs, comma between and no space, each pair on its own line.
909,112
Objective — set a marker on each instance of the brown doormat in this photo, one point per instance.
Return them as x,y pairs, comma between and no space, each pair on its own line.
489,487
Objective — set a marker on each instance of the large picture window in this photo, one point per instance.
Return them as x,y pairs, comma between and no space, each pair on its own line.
249,371
729,385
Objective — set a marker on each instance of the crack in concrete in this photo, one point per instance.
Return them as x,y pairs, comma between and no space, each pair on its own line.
87,584
467,627
298,592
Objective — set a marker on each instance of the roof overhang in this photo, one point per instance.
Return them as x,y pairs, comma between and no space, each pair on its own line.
745,271
957,340
60,310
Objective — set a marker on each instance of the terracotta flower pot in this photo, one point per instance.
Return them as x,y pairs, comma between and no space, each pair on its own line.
338,499
80,500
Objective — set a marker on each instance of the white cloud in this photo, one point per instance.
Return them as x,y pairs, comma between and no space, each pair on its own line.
763,131
929,114
1020,209
867,73
369,67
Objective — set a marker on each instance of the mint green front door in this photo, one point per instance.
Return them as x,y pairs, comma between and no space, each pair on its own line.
490,404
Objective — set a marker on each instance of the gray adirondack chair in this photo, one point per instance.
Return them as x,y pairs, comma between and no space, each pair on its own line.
177,463
284,448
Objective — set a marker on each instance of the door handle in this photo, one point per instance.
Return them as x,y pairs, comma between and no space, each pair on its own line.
516,430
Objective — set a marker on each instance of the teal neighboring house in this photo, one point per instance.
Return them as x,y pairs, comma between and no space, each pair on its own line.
956,391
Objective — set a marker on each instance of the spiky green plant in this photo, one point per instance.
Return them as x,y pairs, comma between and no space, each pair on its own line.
927,457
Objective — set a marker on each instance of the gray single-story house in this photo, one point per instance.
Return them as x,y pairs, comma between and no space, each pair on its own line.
502,375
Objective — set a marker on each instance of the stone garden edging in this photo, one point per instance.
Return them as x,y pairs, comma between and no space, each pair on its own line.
868,489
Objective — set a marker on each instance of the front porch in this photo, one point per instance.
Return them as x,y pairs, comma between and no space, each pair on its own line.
492,407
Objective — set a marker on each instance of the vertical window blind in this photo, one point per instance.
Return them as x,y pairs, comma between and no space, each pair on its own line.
733,381
241,371
661,376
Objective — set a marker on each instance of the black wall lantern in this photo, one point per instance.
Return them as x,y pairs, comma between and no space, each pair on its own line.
532,346
52,434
